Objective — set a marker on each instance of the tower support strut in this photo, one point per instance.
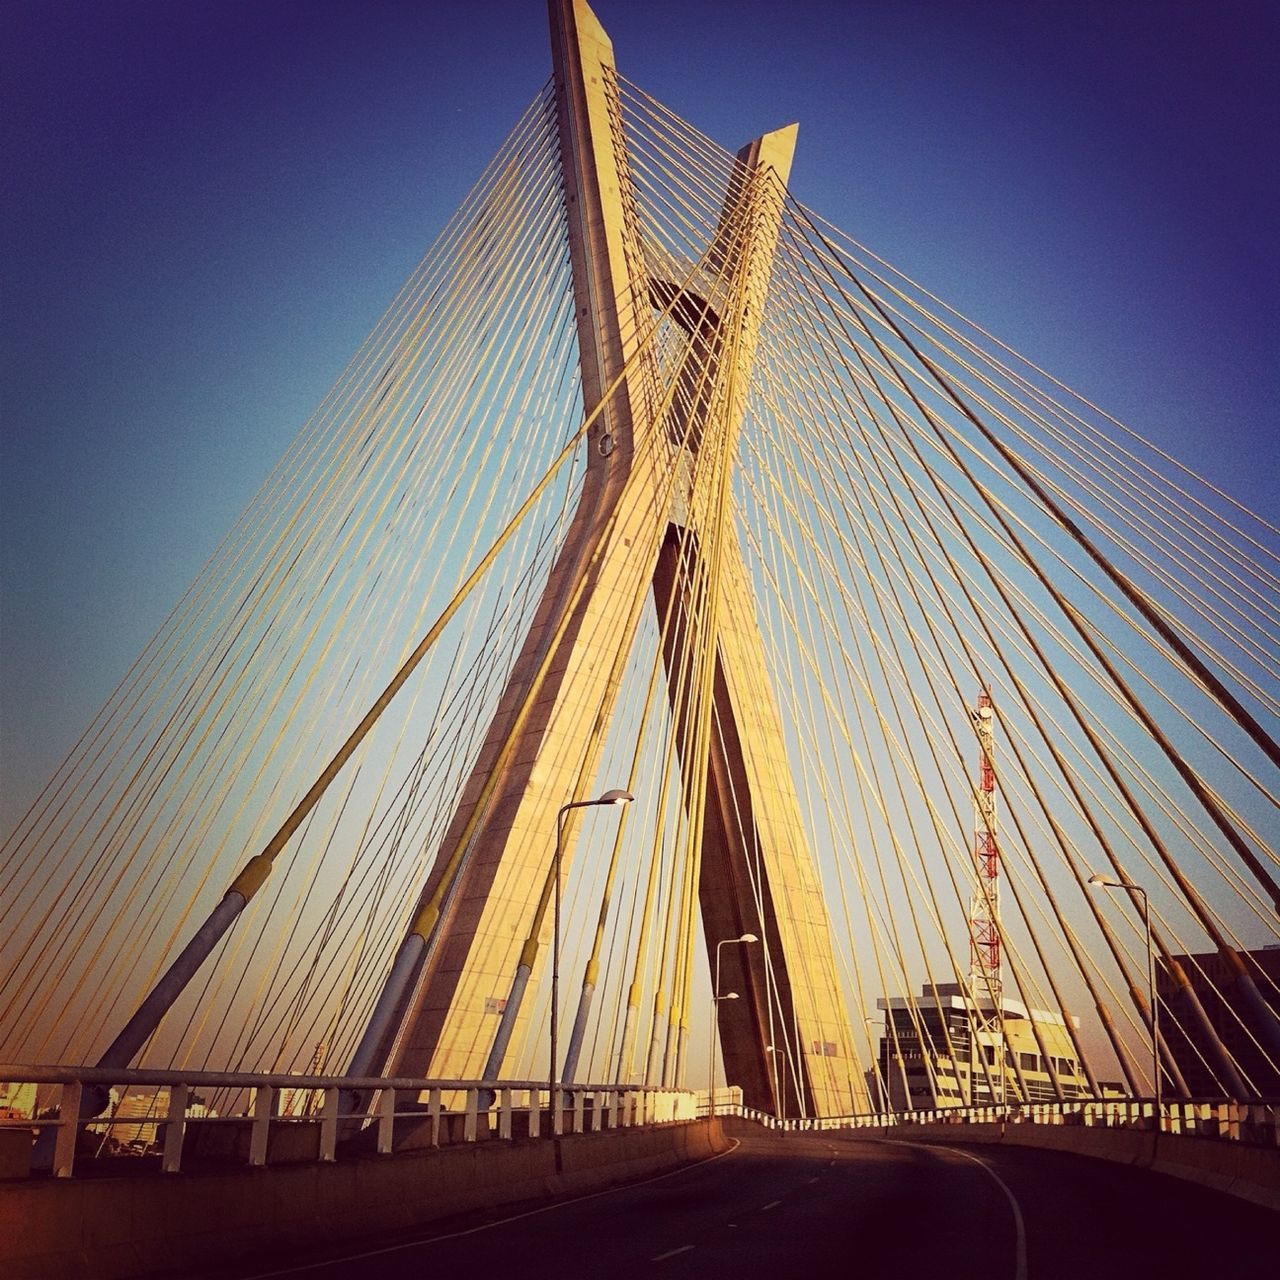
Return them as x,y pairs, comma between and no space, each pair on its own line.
647,513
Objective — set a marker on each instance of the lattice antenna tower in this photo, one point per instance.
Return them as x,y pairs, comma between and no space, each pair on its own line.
984,908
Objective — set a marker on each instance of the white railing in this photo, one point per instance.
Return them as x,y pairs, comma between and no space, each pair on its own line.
1251,1123
341,1112
360,1114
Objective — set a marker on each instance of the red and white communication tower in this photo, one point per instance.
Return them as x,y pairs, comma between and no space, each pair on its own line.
984,909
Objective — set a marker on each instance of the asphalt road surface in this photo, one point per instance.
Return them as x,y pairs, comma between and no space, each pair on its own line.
815,1205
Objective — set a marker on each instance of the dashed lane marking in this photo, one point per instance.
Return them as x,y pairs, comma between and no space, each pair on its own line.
773,1204
488,1226
671,1253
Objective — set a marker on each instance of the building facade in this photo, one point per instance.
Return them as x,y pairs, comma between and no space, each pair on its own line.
17,1101
941,1049
1187,1041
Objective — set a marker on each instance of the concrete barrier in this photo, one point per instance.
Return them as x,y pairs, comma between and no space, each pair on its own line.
111,1228
15,1153
1251,1173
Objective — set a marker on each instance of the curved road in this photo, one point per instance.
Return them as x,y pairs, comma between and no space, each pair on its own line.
815,1205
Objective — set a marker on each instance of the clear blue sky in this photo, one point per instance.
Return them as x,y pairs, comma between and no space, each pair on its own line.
209,203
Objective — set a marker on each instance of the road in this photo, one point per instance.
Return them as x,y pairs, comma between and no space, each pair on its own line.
782,1206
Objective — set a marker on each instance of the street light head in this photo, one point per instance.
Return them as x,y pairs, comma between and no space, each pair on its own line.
748,937
616,796
1104,882
729,995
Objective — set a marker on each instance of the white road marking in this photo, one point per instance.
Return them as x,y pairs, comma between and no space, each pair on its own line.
773,1204
813,1180
684,1248
1020,1245
486,1226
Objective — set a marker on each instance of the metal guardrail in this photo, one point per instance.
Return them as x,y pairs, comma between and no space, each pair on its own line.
1250,1123
453,1110
473,1110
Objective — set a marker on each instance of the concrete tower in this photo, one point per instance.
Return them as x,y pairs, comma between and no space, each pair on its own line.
638,531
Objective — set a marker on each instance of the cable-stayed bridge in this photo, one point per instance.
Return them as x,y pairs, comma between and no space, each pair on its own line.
940,706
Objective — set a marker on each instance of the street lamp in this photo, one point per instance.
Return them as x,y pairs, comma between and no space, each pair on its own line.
881,1074
1104,882
779,1061
614,796
715,1023
716,997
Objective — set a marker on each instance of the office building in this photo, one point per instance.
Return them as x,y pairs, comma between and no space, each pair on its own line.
1211,980
940,1049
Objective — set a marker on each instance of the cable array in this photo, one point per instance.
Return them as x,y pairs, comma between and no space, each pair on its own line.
909,513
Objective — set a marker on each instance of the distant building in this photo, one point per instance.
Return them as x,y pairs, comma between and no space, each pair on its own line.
939,1049
291,1103
1188,1043
303,1103
299,1103
147,1108
134,1120
17,1101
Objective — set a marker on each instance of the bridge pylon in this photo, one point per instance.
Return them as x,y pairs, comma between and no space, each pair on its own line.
653,518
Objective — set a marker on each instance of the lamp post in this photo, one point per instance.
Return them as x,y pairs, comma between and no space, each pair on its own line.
779,1073
881,1072
614,796
1104,882
716,997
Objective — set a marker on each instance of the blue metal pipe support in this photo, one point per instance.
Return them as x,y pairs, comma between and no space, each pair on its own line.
139,1029
511,1010
579,1031
1259,1015
403,973
93,1099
